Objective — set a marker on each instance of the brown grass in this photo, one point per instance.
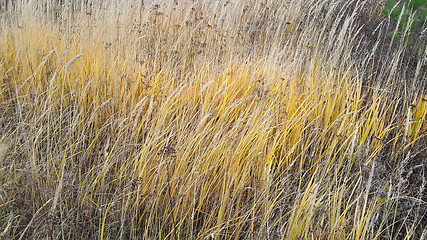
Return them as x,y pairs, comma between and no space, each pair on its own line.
199,120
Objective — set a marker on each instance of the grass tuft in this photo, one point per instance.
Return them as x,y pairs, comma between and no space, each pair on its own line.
195,120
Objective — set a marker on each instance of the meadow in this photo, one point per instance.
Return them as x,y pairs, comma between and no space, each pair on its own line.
211,119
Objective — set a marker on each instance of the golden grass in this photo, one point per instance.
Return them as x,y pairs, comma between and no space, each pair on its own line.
181,129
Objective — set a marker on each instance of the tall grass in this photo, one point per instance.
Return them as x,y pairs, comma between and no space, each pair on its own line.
209,120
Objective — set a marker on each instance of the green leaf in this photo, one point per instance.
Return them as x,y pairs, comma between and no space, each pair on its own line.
416,4
389,4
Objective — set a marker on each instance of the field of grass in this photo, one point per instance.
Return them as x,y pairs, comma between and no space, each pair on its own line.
183,119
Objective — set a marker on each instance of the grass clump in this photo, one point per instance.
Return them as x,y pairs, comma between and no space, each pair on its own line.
248,119
403,12
410,17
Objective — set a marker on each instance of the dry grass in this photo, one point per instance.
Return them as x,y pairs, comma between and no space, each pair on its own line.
208,120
